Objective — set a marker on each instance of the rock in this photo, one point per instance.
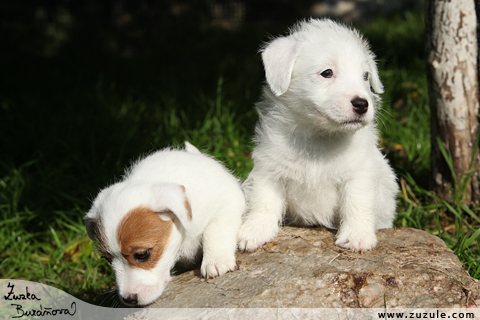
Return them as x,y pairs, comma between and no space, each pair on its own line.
302,268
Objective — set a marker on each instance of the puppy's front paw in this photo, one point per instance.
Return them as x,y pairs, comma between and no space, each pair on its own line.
253,236
357,241
217,268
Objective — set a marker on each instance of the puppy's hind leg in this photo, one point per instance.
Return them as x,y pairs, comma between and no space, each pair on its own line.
385,198
266,206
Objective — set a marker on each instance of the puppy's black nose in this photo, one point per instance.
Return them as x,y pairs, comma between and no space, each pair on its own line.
360,105
131,299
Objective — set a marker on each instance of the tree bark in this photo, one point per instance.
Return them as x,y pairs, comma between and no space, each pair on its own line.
452,74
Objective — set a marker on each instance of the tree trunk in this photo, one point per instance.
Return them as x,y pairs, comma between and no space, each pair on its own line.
452,53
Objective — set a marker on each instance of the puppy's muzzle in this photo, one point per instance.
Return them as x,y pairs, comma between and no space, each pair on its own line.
360,105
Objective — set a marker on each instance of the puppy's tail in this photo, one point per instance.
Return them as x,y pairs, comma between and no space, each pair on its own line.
191,148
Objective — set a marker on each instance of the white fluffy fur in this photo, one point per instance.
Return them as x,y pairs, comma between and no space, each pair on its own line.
217,204
316,160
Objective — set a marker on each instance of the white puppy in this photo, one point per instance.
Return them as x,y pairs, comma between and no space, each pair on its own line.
169,206
315,156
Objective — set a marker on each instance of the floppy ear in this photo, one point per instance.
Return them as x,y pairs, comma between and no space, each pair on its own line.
170,202
375,81
278,59
92,220
91,226
95,229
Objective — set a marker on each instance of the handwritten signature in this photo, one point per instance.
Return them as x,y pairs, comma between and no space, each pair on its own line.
12,296
43,311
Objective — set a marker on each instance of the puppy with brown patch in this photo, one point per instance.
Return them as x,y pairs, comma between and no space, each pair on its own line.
170,206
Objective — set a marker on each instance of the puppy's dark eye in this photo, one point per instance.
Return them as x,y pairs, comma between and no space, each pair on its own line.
365,76
327,73
142,256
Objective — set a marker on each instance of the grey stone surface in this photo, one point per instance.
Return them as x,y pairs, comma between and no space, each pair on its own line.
302,268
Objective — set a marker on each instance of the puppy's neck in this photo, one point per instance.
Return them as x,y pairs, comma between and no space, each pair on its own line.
322,142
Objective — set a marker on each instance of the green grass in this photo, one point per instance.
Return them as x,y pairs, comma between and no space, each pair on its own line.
71,123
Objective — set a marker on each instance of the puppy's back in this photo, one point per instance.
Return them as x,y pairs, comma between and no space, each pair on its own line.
173,165
207,181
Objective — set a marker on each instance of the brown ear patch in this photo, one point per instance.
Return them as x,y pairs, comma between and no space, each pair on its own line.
187,204
143,233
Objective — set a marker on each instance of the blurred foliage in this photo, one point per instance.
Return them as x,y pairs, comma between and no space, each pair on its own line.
88,86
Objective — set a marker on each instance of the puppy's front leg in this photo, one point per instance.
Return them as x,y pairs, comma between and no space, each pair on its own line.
266,198
219,245
357,226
